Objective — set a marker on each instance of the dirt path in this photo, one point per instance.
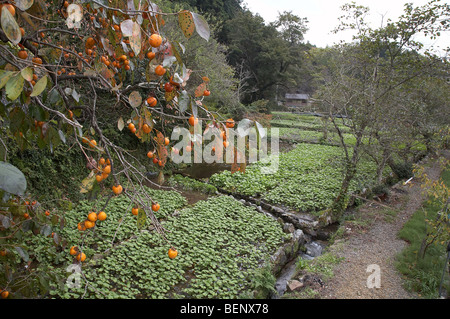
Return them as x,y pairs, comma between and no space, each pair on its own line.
375,244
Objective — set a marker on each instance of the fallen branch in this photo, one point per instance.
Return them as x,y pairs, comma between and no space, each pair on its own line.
375,202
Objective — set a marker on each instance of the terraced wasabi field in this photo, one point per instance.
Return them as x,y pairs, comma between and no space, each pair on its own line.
222,244
297,128
308,178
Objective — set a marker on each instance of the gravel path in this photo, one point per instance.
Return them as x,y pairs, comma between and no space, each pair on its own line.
375,244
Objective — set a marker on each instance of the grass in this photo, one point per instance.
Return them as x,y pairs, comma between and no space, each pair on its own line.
389,214
423,275
306,293
321,266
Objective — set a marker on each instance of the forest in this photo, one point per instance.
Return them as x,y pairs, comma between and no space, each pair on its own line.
192,150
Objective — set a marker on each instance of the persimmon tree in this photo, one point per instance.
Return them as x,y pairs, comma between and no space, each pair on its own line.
57,58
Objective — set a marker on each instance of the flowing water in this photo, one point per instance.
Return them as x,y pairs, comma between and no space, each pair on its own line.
313,249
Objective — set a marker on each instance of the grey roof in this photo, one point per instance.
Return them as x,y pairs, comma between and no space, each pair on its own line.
297,96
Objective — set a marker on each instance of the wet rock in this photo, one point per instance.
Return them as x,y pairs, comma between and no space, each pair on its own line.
288,251
313,249
265,205
288,228
277,210
279,259
299,236
326,232
306,257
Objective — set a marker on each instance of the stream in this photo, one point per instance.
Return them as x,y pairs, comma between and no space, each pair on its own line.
313,249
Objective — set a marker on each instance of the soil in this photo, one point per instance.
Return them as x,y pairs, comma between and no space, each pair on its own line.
192,197
373,241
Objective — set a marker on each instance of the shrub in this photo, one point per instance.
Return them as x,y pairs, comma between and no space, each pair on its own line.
380,189
403,170
54,174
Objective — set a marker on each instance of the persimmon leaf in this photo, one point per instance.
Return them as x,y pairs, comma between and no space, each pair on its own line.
14,87
184,101
24,4
127,27
27,73
136,38
10,26
106,45
200,89
135,99
88,183
141,219
39,86
22,253
169,96
201,26
120,124
4,77
12,180
187,24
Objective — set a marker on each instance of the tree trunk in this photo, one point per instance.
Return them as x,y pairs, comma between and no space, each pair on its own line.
386,157
391,163
161,177
380,169
341,201
382,165
324,128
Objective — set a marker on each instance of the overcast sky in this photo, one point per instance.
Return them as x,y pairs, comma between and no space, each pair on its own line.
323,16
